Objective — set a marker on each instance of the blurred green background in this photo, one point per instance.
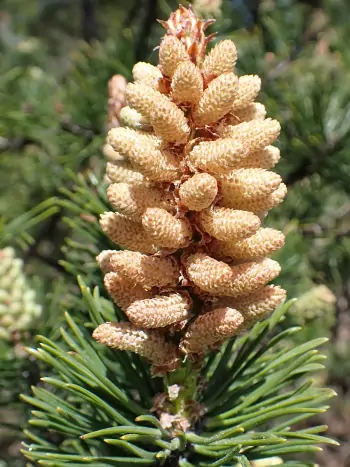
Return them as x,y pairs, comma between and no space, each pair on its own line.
56,59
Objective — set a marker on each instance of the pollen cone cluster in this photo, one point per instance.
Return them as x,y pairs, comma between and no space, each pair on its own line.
18,307
317,303
190,190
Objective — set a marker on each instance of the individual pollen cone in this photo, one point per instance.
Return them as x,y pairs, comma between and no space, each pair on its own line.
198,192
217,99
122,171
141,97
217,157
123,140
165,230
131,118
221,59
256,134
126,233
256,306
169,122
211,328
264,242
248,88
218,278
256,205
249,277
187,83
143,153
149,344
242,184
147,271
228,224
254,111
208,274
259,305
123,291
171,52
103,260
160,166
111,154
146,73
267,158
133,200
160,311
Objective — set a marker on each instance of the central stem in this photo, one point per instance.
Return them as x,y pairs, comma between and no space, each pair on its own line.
181,386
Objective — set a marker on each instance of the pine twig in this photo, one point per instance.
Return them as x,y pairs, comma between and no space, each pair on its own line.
89,24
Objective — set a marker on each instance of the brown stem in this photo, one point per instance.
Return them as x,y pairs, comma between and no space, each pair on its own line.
89,25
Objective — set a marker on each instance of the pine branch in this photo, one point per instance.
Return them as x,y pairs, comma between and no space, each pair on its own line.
76,129
305,170
150,8
239,403
16,144
83,382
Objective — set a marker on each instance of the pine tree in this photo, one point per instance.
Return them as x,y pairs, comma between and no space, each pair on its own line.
199,158
300,54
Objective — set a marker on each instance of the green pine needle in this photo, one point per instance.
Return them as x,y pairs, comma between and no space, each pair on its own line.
100,401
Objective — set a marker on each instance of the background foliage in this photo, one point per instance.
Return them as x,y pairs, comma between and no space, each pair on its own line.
56,59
